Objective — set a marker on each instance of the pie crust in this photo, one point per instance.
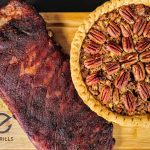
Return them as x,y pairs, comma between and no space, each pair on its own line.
95,105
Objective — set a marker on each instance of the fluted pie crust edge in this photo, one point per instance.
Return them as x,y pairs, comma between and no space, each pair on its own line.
96,106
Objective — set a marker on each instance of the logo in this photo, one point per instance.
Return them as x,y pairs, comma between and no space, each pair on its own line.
3,122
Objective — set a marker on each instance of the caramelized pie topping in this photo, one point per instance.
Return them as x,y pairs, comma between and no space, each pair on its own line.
115,60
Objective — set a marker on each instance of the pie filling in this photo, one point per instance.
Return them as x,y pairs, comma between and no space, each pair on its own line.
115,60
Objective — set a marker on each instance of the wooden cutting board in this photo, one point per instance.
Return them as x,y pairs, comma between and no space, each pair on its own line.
64,26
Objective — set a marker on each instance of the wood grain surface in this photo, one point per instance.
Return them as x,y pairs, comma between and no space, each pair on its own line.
64,25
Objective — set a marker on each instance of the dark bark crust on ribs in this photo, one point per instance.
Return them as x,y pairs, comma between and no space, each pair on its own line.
35,83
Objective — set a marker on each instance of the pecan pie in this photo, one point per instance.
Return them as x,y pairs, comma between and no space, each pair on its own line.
110,62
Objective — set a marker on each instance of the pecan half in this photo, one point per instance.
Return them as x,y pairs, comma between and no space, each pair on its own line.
126,30
92,48
144,90
145,56
114,48
129,59
138,71
127,14
127,44
97,36
105,94
113,30
146,32
93,62
129,101
143,44
92,79
148,68
116,96
139,26
112,68
122,79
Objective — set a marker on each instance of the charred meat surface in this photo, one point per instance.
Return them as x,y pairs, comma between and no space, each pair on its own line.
35,83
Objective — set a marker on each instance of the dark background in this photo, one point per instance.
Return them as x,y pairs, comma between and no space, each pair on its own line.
63,5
